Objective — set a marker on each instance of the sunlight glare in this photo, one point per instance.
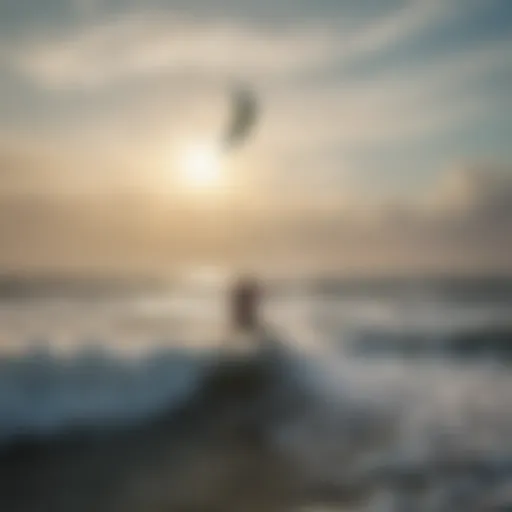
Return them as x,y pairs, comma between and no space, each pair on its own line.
201,166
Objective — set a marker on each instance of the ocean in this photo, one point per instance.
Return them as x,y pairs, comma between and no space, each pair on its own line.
386,394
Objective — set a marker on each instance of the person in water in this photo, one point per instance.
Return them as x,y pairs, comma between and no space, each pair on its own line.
245,305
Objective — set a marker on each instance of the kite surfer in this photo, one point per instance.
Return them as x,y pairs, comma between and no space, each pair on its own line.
245,305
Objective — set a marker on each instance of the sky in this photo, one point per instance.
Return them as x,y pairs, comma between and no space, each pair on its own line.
383,142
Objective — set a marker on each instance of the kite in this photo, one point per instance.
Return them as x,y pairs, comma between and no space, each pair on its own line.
244,117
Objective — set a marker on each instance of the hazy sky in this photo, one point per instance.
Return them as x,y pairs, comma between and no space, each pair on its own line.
384,143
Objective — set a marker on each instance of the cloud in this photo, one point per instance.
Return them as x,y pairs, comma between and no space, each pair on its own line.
339,96
160,44
394,28
391,110
474,196
154,42
395,106
463,222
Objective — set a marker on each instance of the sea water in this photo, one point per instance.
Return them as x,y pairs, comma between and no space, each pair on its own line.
408,382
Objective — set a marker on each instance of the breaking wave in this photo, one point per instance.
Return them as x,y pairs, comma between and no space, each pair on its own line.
42,391
383,433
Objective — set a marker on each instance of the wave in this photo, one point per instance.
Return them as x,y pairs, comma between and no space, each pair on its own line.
42,391
285,427
476,343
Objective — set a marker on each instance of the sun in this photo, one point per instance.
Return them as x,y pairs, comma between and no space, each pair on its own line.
201,166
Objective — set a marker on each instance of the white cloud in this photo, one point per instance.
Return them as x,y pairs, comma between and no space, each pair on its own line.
303,123
412,19
394,106
390,111
163,44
